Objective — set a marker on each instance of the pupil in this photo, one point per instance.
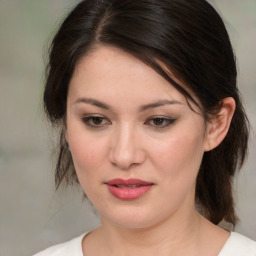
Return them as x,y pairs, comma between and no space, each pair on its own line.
97,120
158,121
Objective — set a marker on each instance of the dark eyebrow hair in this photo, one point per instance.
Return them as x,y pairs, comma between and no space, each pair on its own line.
93,102
141,108
158,104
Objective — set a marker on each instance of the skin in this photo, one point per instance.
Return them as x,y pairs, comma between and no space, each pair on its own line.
114,131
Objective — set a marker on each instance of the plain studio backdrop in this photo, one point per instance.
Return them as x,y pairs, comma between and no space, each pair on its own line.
32,215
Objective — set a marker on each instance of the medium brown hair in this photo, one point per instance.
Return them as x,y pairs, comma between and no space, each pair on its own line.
190,38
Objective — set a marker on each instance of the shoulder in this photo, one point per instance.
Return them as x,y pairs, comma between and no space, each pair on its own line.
72,247
238,245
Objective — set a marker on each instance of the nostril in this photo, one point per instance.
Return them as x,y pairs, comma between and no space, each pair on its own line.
126,161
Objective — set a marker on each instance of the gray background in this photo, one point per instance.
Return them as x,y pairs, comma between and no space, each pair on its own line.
32,215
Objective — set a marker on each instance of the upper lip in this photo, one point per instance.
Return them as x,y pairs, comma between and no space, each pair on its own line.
128,182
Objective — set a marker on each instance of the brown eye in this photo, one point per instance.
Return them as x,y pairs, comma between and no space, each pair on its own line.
95,121
160,122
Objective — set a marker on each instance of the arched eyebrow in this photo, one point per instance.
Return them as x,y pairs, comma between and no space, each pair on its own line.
93,102
142,108
159,103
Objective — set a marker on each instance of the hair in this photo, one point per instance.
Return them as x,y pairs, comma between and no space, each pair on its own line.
190,39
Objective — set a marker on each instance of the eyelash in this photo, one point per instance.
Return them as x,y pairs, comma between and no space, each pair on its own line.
89,119
167,121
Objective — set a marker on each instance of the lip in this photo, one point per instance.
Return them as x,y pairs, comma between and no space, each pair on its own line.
130,189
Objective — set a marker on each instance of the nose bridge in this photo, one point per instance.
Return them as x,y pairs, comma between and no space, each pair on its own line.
126,149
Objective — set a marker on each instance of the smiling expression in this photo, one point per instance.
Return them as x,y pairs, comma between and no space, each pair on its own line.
136,144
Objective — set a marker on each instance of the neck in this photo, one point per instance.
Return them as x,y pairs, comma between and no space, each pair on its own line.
176,235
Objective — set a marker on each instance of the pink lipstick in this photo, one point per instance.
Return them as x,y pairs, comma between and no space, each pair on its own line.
128,189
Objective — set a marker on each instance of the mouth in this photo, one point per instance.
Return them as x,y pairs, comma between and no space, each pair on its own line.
128,189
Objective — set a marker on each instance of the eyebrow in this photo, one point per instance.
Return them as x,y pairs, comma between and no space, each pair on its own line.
158,104
93,102
142,108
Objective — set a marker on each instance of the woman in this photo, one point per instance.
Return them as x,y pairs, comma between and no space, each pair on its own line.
152,126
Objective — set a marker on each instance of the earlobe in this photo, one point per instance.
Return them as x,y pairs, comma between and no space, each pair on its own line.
218,126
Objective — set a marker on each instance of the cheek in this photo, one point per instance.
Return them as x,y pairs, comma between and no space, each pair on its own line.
88,153
88,158
177,163
179,156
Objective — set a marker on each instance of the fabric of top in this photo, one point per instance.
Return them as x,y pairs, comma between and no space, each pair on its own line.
236,245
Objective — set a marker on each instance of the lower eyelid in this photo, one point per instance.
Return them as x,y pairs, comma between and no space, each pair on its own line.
167,122
86,120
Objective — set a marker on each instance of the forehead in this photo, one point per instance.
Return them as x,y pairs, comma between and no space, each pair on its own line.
108,71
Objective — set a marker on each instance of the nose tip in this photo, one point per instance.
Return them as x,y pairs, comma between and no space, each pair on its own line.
124,159
126,151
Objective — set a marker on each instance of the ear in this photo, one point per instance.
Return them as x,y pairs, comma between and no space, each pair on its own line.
218,126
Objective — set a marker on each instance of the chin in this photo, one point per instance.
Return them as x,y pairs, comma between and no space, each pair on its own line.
132,217
132,223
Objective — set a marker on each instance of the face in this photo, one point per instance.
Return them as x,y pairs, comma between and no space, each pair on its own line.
135,143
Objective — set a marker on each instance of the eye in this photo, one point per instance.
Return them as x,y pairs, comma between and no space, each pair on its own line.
159,121
95,121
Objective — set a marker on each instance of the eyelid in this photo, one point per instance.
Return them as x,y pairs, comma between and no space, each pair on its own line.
87,118
168,121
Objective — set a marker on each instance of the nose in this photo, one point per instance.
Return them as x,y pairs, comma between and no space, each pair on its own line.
126,150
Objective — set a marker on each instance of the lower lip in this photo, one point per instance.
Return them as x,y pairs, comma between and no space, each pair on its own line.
128,193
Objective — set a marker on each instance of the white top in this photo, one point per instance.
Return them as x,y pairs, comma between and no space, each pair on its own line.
236,245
